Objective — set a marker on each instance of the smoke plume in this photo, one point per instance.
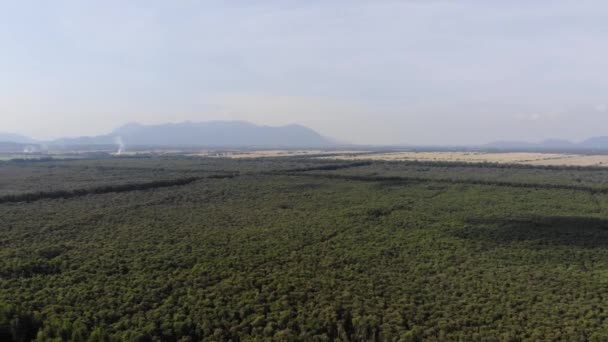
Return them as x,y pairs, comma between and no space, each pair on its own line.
121,145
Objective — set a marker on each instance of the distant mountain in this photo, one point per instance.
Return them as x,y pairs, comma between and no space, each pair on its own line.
558,143
208,134
236,134
510,145
12,147
595,143
15,138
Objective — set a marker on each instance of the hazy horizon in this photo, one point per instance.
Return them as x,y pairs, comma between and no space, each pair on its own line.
337,142
388,72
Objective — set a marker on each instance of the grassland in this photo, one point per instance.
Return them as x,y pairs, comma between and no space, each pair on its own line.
300,248
276,153
524,158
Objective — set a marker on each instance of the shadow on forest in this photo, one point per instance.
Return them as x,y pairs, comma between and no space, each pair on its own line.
541,230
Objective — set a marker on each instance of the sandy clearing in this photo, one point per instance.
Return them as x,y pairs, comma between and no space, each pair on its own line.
528,158
273,153
575,160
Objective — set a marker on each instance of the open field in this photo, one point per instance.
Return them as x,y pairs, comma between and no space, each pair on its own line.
55,155
301,249
168,152
526,158
274,153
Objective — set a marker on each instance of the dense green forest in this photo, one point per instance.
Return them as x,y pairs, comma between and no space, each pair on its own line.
290,249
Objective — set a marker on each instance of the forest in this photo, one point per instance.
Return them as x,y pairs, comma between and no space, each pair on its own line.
301,249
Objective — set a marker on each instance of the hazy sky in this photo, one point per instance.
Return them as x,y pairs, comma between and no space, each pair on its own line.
420,72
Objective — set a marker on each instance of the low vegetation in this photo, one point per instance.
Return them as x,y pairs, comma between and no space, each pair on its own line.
302,249
521,158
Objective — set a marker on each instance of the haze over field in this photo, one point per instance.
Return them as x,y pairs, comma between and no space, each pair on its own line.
386,72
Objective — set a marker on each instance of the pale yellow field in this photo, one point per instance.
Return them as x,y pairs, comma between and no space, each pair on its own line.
528,158
482,157
272,153
575,160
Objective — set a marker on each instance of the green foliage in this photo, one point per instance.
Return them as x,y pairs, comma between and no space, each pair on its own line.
353,252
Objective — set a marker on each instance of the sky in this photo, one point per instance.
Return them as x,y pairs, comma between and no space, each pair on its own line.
367,72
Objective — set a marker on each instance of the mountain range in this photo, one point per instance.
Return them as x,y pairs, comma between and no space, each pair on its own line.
191,134
235,134
15,138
